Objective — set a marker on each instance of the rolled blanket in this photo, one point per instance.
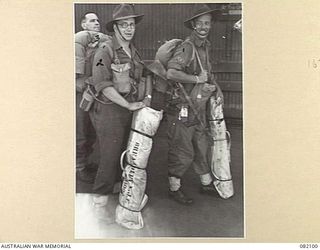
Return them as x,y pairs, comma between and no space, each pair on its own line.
220,150
132,197
90,38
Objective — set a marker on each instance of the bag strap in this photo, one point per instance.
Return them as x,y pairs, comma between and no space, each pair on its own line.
198,58
192,105
188,98
195,53
116,59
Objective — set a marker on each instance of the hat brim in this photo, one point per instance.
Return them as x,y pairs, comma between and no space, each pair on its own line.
214,13
109,25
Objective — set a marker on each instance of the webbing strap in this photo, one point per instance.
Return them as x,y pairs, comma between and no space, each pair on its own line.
215,120
128,208
216,177
141,133
134,166
223,180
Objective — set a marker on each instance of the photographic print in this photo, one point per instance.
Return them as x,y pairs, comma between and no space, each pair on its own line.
159,125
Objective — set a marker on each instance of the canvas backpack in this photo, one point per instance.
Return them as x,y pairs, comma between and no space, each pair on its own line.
166,50
164,54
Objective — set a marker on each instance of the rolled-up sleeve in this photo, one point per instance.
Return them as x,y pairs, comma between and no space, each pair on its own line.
101,69
181,57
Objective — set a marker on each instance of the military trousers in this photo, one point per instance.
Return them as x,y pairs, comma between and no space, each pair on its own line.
188,146
112,123
85,135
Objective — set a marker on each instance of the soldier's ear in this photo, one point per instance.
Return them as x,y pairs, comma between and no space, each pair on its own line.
83,25
193,24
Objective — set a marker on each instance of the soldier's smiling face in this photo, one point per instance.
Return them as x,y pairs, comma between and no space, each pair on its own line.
202,25
127,28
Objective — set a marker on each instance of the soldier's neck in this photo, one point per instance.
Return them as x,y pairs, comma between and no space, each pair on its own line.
122,42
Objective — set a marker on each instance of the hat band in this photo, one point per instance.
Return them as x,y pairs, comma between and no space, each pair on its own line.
125,17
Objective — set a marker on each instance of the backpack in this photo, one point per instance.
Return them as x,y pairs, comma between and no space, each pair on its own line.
166,91
164,54
166,51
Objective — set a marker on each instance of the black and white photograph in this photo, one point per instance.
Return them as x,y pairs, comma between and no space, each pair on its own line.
176,122
159,121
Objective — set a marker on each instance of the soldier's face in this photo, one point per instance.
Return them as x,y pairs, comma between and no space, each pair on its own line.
127,28
202,25
91,23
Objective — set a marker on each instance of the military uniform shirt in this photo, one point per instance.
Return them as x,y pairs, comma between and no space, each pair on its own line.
104,57
182,59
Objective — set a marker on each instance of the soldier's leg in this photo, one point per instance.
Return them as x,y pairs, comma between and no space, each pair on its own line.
112,124
201,163
85,139
81,138
91,136
201,166
180,157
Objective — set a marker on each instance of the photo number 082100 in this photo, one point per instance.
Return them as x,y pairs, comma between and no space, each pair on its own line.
158,100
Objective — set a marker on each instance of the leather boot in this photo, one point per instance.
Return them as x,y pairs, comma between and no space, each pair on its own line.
209,189
180,197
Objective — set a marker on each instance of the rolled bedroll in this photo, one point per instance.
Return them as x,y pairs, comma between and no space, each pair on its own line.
134,160
220,150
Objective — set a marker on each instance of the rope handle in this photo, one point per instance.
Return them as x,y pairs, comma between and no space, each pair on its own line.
228,143
122,158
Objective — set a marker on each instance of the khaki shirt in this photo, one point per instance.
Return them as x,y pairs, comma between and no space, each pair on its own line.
184,60
104,57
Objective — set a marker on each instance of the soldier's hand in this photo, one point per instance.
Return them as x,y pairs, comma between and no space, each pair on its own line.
203,77
209,87
133,106
147,101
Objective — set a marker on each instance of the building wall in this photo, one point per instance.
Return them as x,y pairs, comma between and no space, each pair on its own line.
165,21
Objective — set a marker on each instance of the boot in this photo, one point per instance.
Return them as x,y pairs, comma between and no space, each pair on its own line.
180,197
209,190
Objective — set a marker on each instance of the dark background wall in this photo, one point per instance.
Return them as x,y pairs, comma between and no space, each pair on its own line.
165,21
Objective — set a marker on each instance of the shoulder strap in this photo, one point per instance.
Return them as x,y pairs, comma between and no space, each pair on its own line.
115,56
195,54
188,98
191,104
208,60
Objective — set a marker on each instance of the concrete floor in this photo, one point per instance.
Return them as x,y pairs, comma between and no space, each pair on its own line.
209,216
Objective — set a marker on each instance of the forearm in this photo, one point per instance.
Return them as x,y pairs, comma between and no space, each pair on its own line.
115,97
180,76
